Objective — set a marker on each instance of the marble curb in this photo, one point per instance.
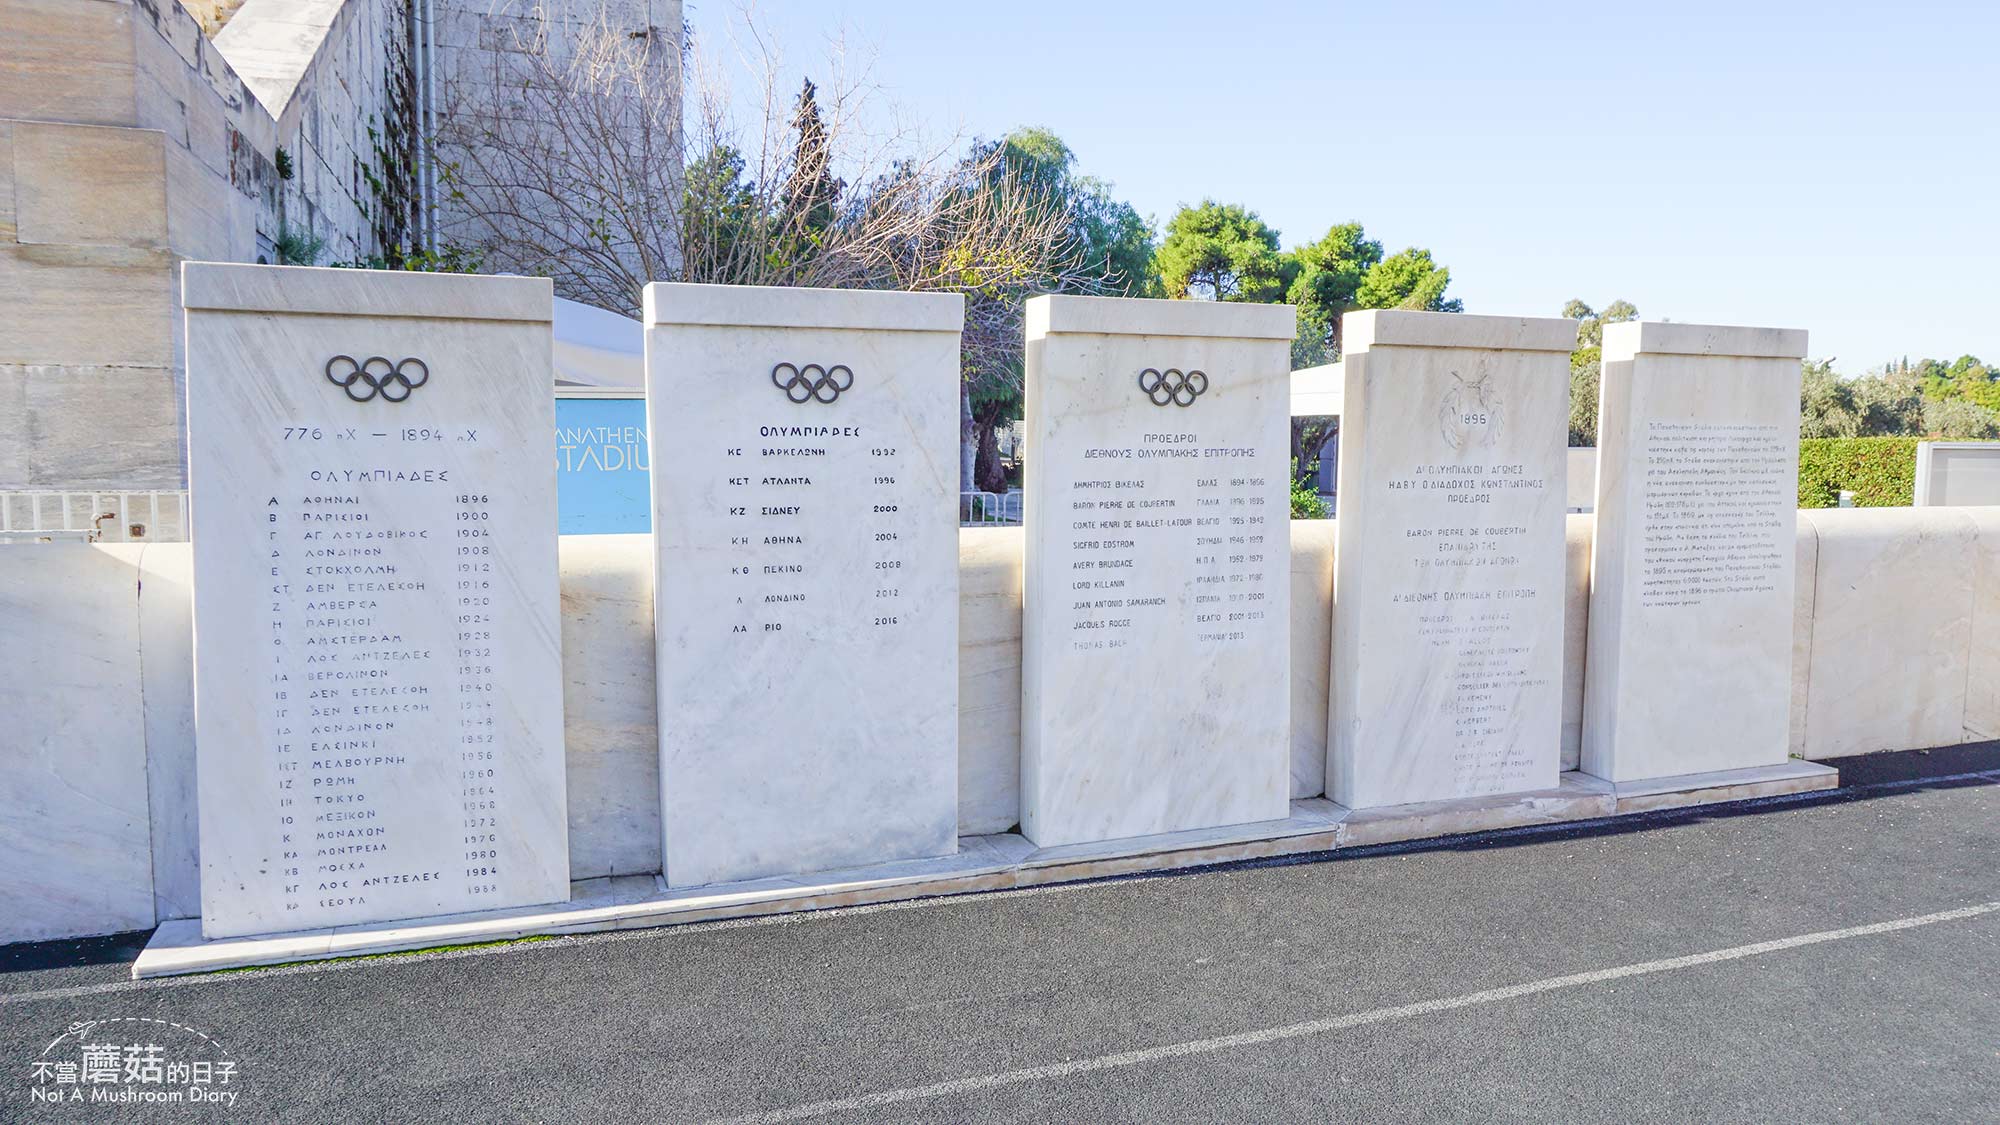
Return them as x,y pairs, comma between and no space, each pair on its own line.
983,863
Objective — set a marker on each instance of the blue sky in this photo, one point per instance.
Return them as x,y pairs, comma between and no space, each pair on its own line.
1829,166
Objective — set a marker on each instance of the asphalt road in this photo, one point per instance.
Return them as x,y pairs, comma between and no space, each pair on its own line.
1826,959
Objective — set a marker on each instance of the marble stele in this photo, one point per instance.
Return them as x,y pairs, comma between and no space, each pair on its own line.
805,452
378,659
1692,567
1448,574
1155,678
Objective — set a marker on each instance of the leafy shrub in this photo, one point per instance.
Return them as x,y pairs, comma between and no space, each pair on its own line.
1880,471
1307,503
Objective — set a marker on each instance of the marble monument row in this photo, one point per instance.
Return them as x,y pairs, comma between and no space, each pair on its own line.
379,678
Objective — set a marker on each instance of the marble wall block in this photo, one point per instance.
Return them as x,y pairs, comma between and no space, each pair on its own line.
1695,558
805,478
1805,581
610,705
1312,639
609,710
166,666
1893,604
1448,629
1982,678
989,679
1577,532
1155,627
74,854
378,676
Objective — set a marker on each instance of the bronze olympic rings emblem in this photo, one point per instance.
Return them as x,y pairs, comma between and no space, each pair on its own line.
812,382
377,375
1173,386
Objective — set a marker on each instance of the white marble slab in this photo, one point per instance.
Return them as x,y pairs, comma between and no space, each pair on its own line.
1448,626
1577,534
1155,629
1312,646
805,453
1982,678
1895,591
610,707
74,852
166,663
1695,557
378,675
989,679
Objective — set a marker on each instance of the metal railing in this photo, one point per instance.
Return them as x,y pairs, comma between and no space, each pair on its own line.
107,516
989,509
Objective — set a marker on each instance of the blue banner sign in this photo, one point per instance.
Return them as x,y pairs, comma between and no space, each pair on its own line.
603,486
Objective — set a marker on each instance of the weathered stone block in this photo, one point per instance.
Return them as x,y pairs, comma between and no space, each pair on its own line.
86,185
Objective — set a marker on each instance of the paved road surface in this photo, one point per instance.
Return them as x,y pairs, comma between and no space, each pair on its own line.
1829,959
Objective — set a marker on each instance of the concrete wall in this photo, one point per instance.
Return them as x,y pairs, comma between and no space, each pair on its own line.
1898,643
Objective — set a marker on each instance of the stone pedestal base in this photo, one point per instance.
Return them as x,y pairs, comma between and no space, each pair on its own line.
984,863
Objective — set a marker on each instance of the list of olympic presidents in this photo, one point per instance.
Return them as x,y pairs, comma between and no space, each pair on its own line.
1155,633
1169,531
378,663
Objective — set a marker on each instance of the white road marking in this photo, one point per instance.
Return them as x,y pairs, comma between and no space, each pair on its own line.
1340,1023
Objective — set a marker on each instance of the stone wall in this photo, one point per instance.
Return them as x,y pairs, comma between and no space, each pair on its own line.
481,66
129,142
337,76
126,144
1898,643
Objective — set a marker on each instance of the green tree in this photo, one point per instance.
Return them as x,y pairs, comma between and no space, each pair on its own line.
1111,243
1957,419
1328,278
1586,364
1964,378
1346,270
811,194
1407,279
1886,404
718,209
1107,249
1826,402
1221,252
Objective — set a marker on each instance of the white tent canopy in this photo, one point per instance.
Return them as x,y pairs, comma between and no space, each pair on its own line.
595,348
1317,391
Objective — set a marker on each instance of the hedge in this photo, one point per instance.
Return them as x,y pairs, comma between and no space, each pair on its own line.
1880,471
